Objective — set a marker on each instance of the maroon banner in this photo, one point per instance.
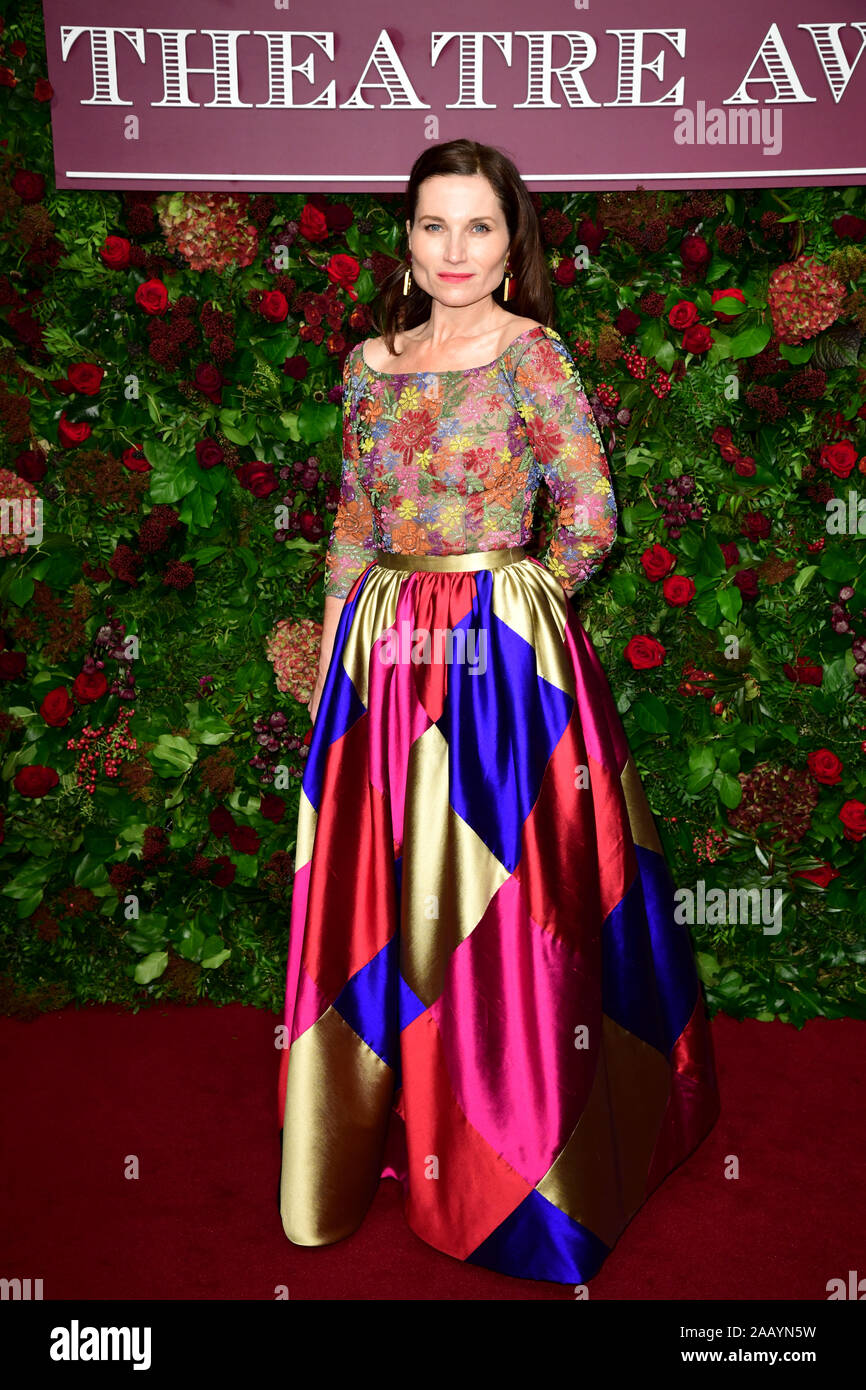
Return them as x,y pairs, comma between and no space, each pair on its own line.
312,94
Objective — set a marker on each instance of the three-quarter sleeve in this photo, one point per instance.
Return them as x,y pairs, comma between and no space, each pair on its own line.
352,541
567,446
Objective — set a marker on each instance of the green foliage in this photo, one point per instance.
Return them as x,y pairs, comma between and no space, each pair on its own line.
131,892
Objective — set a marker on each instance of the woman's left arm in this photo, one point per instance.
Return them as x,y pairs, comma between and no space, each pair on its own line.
566,443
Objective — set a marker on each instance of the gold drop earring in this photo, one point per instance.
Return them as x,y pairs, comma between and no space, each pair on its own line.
407,278
506,283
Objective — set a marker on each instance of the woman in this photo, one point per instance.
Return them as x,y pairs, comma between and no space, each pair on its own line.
488,997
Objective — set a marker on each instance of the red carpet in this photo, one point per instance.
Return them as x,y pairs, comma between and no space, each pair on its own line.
190,1092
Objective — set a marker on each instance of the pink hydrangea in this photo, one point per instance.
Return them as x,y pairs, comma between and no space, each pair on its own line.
209,230
293,650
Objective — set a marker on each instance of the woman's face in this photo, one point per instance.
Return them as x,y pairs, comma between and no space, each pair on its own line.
459,230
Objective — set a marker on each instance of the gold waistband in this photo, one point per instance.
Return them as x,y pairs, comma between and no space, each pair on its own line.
474,560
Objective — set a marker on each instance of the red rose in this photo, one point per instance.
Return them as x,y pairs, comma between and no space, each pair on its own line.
273,306
566,272
57,708
210,381
591,235
849,225
727,294
682,314
755,526
30,465
627,321
694,252
11,665
134,459
89,686
343,271
698,338
296,367
257,477
745,466
731,554
220,820
852,814
28,186
310,525
722,434
839,458
115,252
152,297
244,839
657,561
644,652
85,377
339,216
42,89
208,453
822,876
272,807
222,872
747,582
678,589
8,78
72,432
729,452
825,766
804,673
312,224
35,779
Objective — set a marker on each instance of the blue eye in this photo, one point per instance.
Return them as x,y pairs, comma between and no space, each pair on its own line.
429,225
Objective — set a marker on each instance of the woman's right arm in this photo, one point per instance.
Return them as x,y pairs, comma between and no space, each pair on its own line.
330,623
348,551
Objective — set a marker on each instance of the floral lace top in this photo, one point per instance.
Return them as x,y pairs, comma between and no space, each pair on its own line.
443,463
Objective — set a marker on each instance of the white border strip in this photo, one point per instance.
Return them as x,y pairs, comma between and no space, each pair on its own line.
404,178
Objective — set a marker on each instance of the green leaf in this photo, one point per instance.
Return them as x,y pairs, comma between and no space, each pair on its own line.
710,557
211,962
176,751
21,589
729,305
211,728
730,790
730,760
838,566
151,967
730,602
214,952
172,486
90,872
623,586
651,714
317,420
198,509
751,341
803,578
705,607
702,758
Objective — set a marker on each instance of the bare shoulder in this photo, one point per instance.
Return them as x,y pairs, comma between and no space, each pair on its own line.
516,329
372,350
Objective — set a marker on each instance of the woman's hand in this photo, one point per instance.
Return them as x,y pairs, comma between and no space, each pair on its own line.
316,696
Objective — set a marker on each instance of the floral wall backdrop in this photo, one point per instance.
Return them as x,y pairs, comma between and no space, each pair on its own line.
170,406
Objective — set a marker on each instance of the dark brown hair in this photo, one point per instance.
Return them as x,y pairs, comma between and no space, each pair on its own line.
530,294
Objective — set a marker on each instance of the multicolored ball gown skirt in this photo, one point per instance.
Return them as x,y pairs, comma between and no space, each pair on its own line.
488,996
